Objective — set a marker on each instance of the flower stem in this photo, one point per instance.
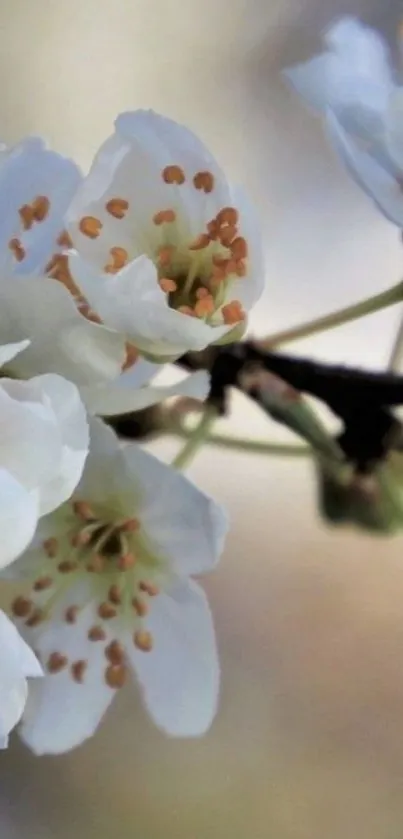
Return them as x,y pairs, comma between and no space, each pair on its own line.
195,440
357,310
240,444
397,350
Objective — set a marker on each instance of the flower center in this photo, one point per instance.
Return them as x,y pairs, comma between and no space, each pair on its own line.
124,573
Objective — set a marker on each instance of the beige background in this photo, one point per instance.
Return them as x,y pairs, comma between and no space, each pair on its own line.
309,739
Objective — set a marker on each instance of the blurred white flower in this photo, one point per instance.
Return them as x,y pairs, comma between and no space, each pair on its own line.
112,592
17,663
167,253
43,447
353,85
36,187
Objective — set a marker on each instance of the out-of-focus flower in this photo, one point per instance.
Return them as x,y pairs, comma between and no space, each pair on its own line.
353,85
112,592
43,447
167,253
17,663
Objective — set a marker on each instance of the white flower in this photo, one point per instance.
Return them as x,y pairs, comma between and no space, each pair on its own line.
43,447
17,663
112,592
355,88
36,187
167,252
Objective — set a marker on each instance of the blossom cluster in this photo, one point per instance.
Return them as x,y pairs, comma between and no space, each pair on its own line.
106,277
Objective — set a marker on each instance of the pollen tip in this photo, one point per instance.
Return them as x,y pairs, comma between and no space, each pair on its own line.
56,662
78,669
143,640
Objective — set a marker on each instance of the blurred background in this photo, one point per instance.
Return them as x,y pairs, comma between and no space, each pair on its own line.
308,742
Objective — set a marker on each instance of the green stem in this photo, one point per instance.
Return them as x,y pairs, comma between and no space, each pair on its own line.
195,440
397,350
357,310
241,444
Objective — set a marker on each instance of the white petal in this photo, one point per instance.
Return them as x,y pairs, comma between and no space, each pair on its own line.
372,177
107,400
186,526
9,351
15,652
355,72
394,128
61,340
362,48
72,423
180,676
61,713
132,302
130,165
30,440
19,510
102,474
28,171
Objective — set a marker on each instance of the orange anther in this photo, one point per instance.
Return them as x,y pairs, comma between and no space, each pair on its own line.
126,561
96,633
106,611
78,669
117,207
40,207
140,607
115,595
143,640
164,216
42,583
173,175
21,607
204,307
71,614
67,566
64,240
226,235
56,662
168,286
17,249
37,617
204,181
130,526
90,226
115,675
27,216
83,510
165,256
115,653
51,546
228,215
150,589
233,312
239,248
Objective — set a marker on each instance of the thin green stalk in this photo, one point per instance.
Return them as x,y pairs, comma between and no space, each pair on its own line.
357,310
396,355
195,440
241,444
